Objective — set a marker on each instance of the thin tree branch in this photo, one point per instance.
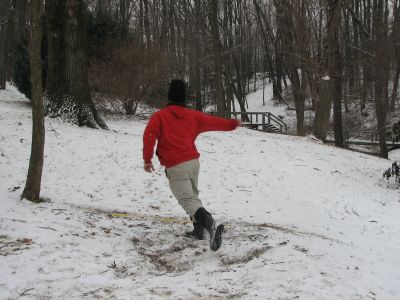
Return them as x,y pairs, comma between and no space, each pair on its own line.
361,50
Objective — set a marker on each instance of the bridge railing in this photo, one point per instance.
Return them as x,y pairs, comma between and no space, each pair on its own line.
259,119
262,119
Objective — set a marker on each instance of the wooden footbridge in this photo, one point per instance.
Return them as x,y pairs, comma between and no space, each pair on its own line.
264,121
268,122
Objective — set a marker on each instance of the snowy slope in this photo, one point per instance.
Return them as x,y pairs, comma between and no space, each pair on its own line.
304,220
255,103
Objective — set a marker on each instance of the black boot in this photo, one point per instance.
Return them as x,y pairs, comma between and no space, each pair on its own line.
203,217
197,232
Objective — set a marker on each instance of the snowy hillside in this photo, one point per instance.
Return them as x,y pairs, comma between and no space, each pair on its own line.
304,220
261,100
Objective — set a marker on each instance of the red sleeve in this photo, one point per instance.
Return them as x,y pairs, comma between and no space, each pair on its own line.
211,123
150,135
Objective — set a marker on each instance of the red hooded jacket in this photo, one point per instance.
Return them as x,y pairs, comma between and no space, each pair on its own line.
176,129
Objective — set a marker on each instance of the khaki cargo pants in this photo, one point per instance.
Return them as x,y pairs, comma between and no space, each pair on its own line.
183,181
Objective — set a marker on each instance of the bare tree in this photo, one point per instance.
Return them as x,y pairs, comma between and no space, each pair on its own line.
5,25
216,46
335,8
379,75
396,39
34,178
291,28
330,85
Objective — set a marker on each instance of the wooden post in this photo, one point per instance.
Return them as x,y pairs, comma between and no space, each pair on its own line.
264,126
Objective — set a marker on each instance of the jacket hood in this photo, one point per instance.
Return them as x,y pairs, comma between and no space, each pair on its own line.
178,111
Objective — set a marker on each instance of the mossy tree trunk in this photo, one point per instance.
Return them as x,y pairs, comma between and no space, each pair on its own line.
67,91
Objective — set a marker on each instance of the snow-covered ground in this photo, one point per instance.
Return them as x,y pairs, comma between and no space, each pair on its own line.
304,220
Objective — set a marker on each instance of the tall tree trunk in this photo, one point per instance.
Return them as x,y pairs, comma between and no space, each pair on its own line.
366,63
55,12
68,94
379,75
396,39
265,33
228,44
4,42
141,25
348,57
386,60
146,23
356,41
336,71
197,53
216,46
75,39
238,90
171,29
395,86
337,97
34,178
11,41
291,22
298,96
21,24
329,89
322,108
164,27
80,103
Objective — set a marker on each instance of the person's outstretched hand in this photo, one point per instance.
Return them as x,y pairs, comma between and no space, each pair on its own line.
148,167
